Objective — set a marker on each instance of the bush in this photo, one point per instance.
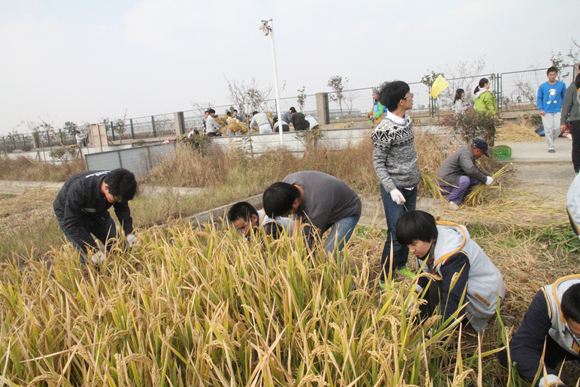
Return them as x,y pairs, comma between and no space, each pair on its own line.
471,125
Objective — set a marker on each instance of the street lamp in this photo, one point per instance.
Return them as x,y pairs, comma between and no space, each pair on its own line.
267,28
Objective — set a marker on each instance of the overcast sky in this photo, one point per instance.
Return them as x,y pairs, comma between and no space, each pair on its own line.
82,60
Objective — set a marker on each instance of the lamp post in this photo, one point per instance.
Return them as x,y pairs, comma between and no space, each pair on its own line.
267,28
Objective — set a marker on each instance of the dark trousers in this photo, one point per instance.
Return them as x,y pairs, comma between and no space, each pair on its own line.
554,355
102,227
456,194
433,298
575,131
393,211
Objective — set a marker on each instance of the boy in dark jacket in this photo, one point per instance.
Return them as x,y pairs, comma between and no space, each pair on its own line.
82,204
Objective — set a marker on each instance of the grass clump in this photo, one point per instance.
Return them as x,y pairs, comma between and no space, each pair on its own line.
204,307
25,169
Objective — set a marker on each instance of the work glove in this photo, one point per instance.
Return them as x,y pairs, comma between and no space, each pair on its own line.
489,180
99,257
131,240
397,196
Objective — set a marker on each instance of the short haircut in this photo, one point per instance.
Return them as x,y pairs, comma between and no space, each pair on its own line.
254,113
552,69
228,114
210,111
415,226
121,183
392,93
241,210
292,110
279,198
234,111
570,305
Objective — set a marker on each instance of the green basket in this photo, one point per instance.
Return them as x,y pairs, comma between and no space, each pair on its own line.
502,153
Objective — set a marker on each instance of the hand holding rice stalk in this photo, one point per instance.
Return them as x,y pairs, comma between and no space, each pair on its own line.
476,196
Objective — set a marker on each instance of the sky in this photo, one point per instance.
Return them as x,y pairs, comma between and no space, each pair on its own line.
80,60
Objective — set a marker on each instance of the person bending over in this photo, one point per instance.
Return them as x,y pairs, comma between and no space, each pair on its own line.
446,250
550,328
82,205
244,217
318,200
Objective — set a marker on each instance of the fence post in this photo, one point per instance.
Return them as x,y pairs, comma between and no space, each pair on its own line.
132,131
153,126
499,86
5,148
48,138
322,113
112,131
179,123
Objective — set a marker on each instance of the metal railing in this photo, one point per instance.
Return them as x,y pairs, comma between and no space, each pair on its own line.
515,90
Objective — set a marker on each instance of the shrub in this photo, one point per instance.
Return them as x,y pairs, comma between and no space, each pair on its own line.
471,125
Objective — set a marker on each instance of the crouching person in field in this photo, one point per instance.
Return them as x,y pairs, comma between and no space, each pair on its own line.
318,200
550,328
445,250
244,217
82,205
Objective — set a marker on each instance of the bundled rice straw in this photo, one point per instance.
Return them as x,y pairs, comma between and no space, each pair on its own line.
512,132
476,196
430,184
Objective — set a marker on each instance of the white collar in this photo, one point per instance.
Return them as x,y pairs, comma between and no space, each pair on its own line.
395,119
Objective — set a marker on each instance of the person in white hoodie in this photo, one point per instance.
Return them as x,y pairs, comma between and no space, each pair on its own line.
261,122
467,275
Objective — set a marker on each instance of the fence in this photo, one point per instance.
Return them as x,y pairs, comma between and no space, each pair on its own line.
515,90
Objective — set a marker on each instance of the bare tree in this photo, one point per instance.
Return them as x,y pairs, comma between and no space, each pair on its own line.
338,84
349,98
463,75
248,96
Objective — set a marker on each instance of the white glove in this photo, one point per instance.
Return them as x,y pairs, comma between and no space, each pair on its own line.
397,196
99,257
131,240
489,180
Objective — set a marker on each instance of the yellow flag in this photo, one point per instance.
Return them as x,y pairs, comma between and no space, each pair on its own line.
438,86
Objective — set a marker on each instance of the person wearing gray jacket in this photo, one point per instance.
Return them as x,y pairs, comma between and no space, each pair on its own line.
459,174
571,112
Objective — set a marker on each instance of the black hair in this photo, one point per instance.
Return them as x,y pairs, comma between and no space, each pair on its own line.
228,114
482,83
458,94
416,226
279,198
121,183
292,110
577,81
571,303
551,69
254,113
275,119
392,93
234,111
241,210
210,111
273,229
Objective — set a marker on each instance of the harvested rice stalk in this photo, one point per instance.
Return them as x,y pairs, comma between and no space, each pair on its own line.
476,196
431,186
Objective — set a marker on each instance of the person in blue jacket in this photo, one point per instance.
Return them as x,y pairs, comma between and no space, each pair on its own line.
550,98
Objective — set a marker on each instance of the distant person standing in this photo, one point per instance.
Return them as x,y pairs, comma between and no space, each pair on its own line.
550,97
287,117
571,111
375,116
299,120
212,127
261,122
395,162
484,100
458,105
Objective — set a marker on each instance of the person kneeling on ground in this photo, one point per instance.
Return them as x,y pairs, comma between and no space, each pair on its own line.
445,249
82,205
320,201
459,174
550,328
244,217
299,120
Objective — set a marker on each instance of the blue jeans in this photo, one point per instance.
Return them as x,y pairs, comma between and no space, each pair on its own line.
393,211
103,227
456,194
340,232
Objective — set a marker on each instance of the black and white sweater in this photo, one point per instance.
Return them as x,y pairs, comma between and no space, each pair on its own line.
394,156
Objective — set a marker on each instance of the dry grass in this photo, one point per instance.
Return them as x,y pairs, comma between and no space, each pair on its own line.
512,132
25,169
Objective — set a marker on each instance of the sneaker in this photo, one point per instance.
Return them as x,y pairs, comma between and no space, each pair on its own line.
452,206
552,150
406,272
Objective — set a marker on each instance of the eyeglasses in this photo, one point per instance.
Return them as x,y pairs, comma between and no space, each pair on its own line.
575,335
410,95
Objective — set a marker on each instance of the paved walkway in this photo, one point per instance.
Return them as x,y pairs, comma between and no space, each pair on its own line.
537,151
